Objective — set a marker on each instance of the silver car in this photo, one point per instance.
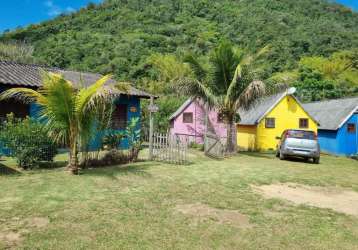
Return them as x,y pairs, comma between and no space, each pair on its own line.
298,143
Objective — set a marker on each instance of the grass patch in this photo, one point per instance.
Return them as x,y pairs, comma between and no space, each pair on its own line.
136,206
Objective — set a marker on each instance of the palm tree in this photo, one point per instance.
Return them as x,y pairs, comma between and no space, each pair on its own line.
227,84
69,114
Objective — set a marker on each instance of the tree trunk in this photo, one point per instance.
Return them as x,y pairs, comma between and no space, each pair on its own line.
230,140
206,127
74,159
73,162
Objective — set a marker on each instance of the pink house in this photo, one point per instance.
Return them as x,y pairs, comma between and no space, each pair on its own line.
189,120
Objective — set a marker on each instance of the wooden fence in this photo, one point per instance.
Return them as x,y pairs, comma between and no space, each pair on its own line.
170,148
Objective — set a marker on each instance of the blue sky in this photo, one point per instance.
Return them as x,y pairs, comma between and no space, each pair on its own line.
16,13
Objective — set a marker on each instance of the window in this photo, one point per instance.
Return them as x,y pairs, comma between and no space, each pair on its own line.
119,117
188,117
18,109
270,123
303,123
351,128
220,118
299,134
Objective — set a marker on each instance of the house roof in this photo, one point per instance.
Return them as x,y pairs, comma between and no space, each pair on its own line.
181,109
332,114
257,112
17,74
254,115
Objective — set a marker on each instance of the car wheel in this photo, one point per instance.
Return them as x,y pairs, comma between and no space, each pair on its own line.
282,156
277,153
316,160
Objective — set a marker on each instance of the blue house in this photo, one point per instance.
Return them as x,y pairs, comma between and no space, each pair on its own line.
337,133
127,106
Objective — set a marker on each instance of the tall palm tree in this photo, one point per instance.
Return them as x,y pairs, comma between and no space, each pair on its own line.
70,114
226,84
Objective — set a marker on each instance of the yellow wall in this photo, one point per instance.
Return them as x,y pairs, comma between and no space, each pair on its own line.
246,138
287,114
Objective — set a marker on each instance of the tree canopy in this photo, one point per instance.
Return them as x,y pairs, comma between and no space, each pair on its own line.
118,36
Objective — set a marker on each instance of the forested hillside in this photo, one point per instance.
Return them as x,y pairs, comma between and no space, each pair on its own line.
310,44
118,36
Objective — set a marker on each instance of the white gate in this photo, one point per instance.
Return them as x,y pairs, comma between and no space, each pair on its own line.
170,148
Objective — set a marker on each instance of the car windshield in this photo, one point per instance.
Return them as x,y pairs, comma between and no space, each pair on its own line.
299,134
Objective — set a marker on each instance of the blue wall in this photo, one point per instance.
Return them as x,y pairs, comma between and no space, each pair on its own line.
130,101
340,142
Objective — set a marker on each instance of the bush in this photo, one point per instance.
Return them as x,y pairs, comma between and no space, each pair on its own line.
112,140
132,133
27,141
111,158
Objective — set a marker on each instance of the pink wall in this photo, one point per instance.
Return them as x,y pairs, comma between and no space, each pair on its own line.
196,129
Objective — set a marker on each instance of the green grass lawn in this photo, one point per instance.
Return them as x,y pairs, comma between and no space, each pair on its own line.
135,206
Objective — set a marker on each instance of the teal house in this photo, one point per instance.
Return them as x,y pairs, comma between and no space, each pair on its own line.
127,105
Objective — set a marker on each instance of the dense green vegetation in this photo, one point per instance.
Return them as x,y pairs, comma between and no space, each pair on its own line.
27,141
118,35
17,52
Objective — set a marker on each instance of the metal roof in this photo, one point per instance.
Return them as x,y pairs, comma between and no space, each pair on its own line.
181,109
260,109
332,114
17,74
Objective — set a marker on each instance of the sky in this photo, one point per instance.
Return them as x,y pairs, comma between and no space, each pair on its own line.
15,13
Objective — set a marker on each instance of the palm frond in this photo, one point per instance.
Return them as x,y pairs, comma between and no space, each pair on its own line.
24,95
195,89
224,62
58,112
87,97
250,95
197,68
232,90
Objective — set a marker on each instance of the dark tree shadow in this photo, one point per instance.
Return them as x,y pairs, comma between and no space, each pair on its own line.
298,159
52,165
265,155
112,172
5,170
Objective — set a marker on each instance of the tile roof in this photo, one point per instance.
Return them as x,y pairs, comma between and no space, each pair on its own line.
18,74
332,114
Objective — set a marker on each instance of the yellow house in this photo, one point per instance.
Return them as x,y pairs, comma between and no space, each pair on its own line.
269,118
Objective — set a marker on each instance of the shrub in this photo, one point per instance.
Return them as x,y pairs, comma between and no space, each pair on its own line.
27,141
112,140
134,141
111,158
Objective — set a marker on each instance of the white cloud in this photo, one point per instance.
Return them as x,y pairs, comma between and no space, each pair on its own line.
55,10
70,9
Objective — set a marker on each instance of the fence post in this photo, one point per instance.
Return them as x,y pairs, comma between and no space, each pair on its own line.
151,129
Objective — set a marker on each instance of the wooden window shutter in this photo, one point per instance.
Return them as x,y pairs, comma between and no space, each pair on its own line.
119,117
